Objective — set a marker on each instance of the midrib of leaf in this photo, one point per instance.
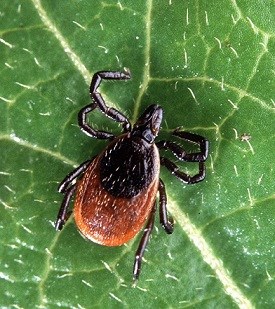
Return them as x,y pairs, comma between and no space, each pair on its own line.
191,230
208,256
63,42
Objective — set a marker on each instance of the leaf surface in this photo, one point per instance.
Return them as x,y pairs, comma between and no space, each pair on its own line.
211,66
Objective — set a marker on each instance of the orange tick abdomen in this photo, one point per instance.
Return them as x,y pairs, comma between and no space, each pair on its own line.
113,218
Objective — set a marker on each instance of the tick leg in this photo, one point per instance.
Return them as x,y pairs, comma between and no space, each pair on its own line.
180,153
96,96
68,189
164,221
63,187
98,76
196,139
63,211
100,103
86,128
174,169
142,245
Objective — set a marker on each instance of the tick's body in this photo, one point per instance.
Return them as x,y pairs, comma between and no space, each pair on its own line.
117,192
114,186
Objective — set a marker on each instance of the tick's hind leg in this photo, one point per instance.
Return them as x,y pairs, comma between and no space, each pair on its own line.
142,245
63,213
164,220
100,103
67,181
68,188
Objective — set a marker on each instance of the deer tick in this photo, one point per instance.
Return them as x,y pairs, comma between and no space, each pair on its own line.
116,191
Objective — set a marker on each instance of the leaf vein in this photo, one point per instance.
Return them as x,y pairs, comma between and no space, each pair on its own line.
63,42
209,257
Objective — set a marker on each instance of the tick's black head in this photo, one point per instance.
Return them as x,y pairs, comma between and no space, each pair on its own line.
148,124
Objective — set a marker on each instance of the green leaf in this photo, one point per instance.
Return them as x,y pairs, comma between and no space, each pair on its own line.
210,64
